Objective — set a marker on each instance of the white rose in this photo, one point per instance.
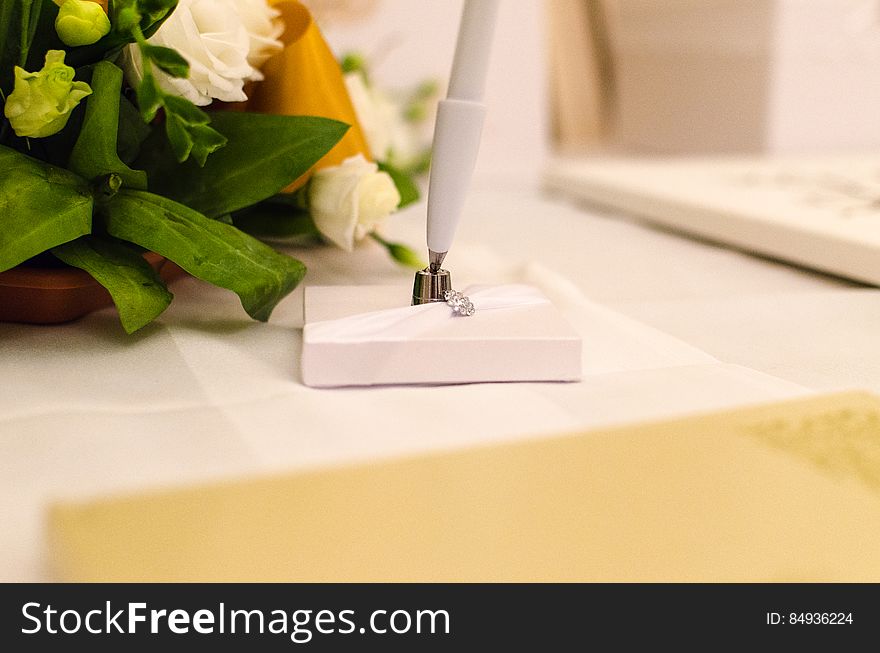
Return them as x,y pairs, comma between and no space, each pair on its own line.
407,144
264,27
350,200
375,113
390,136
214,37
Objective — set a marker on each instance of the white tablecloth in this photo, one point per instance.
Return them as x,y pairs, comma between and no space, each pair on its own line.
670,326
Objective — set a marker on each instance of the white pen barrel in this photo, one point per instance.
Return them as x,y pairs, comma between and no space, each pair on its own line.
456,145
471,62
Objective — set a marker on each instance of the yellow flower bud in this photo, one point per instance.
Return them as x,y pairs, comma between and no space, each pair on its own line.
41,102
81,22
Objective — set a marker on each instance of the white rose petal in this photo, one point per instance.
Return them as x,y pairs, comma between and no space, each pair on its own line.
391,137
350,200
223,41
377,199
264,27
406,145
376,114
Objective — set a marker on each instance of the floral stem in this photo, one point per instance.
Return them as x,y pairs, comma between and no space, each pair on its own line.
400,253
375,236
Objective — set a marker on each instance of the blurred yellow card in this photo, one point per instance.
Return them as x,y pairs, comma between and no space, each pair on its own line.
782,492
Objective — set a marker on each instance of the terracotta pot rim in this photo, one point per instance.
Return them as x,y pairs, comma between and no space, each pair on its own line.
34,295
46,278
63,278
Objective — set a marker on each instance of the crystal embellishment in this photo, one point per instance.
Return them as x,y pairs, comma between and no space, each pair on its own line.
461,305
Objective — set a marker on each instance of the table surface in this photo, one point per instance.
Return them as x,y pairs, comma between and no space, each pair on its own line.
671,326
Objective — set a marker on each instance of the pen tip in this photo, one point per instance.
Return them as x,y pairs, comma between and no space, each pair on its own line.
436,260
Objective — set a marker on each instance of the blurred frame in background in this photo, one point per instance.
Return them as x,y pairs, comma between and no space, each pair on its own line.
715,76
750,123
581,73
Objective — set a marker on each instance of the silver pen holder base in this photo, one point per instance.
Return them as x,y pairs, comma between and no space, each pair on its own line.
430,286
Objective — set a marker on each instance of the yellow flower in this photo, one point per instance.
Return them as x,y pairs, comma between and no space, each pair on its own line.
41,102
305,80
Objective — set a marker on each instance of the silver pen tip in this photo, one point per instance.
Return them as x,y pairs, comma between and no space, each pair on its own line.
435,260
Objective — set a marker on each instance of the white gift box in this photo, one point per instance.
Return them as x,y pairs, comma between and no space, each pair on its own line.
718,76
368,335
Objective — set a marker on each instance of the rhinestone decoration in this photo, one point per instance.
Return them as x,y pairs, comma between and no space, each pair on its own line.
460,304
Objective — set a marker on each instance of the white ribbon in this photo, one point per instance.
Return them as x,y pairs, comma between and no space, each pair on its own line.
409,321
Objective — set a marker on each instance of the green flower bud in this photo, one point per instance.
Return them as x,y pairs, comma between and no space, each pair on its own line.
354,62
81,22
41,102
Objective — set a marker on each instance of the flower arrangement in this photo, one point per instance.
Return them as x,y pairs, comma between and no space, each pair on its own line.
184,128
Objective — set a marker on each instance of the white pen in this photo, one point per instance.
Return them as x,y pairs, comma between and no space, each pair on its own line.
458,127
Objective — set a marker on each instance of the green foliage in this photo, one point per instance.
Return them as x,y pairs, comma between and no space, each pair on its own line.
186,126
132,131
208,249
134,21
45,38
264,155
137,290
95,213
95,153
125,17
406,186
18,25
150,97
41,206
168,60
355,62
401,253
278,218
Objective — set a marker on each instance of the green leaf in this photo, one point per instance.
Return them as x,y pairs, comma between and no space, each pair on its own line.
206,141
407,188
168,60
45,37
41,206
18,27
95,153
137,290
30,18
406,256
152,8
186,126
264,155
132,131
207,249
149,96
401,253
178,137
355,62
185,110
273,220
31,10
125,16
9,44
188,131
